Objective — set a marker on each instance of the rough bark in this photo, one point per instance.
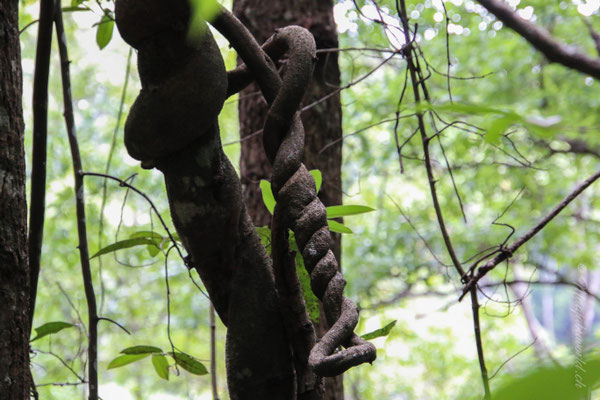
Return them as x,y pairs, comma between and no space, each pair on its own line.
322,123
14,276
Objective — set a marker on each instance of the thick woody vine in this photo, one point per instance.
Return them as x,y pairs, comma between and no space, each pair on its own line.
173,126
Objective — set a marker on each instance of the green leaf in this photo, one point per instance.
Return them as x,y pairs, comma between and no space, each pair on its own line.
153,250
346,210
105,31
161,365
123,244
146,234
465,108
141,349
311,301
74,9
335,226
125,359
495,128
267,195
50,328
189,363
318,177
265,236
202,11
555,382
380,332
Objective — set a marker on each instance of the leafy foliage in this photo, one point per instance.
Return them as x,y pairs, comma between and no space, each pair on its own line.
105,31
49,328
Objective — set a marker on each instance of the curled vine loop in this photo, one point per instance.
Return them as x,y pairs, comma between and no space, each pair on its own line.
295,192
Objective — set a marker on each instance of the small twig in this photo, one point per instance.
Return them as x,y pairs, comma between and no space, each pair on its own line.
213,353
349,85
508,251
448,62
341,49
64,293
123,183
113,145
511,358
114,322
559,282
383,121
63,362
84,255
62,384
414,228
169,301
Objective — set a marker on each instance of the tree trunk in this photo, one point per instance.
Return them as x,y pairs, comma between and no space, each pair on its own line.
322,123
14,276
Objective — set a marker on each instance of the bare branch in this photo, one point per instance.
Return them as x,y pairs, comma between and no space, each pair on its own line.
507,252
543,41
84,254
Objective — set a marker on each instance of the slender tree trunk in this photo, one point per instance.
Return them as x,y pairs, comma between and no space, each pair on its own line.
540,345
14,274
593,285
547,305
322,123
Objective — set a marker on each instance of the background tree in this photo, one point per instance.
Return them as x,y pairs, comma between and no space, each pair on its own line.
14,273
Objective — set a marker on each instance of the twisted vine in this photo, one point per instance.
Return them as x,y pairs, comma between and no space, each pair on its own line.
173,126
294,187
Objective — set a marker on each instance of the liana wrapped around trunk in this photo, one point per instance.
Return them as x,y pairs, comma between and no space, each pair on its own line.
173,126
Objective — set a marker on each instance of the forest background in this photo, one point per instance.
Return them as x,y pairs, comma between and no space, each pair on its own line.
526,136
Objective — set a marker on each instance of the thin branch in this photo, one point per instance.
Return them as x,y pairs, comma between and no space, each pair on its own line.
340,49
414,228
213,353
543,41
123,183
63,362
62,384
84,255
560,281
383,121
355,82
408,52
511,358
477,329
37,203
507,252
66,295
113,145
114,322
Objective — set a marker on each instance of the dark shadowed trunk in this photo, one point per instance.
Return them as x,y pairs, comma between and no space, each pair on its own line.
14,277
322,123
